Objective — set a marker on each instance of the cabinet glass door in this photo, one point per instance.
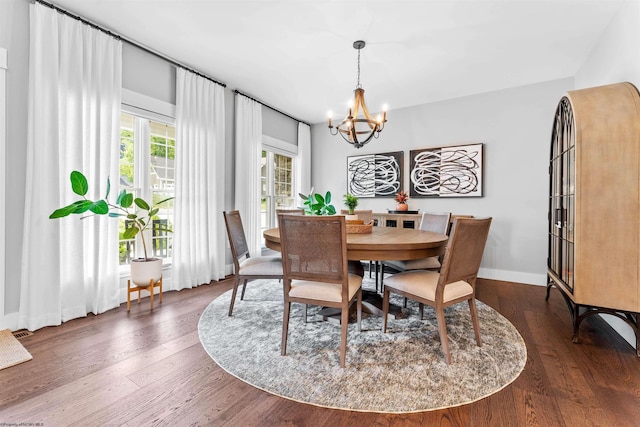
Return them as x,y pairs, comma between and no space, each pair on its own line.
562,195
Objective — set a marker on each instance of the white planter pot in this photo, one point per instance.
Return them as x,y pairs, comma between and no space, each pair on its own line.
143,270
351,217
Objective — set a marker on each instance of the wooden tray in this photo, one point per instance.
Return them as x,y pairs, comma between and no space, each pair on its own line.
359,228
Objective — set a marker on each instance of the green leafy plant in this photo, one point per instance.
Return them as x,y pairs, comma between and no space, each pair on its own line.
351,202
315,204
137,211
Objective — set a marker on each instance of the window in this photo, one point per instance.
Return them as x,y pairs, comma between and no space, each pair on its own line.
147,150
277,174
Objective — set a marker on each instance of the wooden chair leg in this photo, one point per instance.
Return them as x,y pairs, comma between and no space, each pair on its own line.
343,338
359,310
420,310
442,330
306,311
377,276
285,327
385,309
128,295
160,289
474,319
150,289
233,294
244,288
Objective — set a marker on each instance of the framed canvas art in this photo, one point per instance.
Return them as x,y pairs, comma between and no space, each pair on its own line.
451,171
375,175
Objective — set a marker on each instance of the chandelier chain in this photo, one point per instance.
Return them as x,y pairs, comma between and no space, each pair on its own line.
358,85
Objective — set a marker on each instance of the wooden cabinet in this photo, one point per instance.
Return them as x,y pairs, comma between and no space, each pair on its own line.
594,203
396,220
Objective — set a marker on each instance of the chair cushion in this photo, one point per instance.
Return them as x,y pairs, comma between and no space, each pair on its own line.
261,266
323,291
423,284
415,264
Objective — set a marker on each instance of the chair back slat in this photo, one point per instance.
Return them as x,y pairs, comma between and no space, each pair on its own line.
464,251
313,247
436,222
289,212
237,239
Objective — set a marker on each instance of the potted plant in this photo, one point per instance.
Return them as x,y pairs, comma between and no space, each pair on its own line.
315,204
137,211
401,200
351,202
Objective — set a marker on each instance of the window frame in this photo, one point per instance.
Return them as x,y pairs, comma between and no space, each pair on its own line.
150,109
276,146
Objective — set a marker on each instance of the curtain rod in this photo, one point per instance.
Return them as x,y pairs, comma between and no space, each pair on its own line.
124,39
270,107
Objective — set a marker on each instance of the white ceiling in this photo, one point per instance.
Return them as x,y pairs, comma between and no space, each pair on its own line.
297,55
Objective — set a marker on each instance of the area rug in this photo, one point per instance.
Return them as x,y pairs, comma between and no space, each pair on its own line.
11,351
398,372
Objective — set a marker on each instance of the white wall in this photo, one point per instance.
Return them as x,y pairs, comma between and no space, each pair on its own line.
514,125
14,36
615,58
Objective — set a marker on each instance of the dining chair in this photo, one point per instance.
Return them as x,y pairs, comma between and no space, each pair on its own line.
314,261
245,266
456,281
436,222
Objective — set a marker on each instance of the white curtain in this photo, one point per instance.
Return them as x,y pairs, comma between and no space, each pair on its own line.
303,169
248,164
199,233
69,266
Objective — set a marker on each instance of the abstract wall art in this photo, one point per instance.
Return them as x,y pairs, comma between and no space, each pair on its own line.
452,171
375,175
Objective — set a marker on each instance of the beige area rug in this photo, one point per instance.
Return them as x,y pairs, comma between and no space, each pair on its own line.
398,372
11,351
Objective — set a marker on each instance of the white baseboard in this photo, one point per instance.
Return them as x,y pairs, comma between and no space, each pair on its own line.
513,276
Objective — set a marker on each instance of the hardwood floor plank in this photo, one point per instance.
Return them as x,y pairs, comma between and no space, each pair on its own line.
535,410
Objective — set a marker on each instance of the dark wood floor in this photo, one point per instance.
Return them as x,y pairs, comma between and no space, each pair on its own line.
145,368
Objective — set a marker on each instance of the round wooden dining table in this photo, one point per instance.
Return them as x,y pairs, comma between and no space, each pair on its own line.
382,244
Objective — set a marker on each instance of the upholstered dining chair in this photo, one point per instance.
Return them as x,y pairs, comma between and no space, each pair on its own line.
456,281
245,266
314,261
436,222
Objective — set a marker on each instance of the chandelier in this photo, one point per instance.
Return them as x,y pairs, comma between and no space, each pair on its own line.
358,130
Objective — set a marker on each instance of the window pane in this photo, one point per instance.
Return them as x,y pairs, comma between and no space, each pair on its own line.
126,151
158,170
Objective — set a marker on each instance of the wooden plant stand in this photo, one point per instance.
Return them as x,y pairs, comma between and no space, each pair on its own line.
138,289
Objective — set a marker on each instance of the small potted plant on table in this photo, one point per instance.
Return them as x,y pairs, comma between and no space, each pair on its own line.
351,202
401,200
